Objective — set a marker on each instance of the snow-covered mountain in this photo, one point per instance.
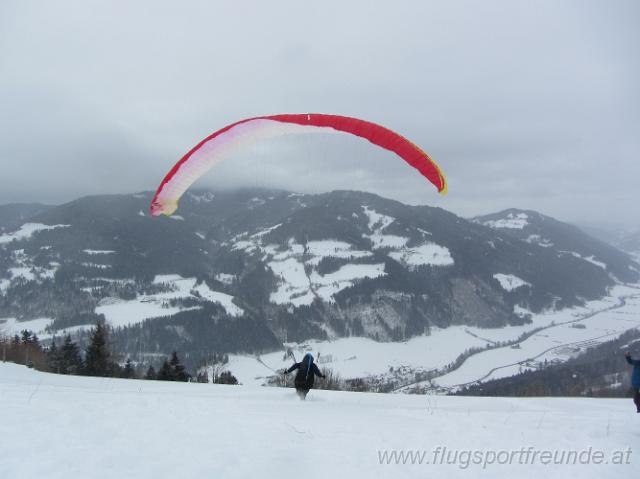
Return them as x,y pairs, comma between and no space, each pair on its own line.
631,244
566,239
246,270
15,214
624,237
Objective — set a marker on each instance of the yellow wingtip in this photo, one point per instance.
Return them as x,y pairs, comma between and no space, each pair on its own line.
444,188
443,179
170,208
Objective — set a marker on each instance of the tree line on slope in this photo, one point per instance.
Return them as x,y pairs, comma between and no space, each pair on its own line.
96,360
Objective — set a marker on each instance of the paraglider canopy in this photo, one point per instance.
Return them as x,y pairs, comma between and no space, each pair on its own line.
232,137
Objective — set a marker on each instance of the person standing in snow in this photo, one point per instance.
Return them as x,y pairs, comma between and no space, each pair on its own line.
635,379
307,370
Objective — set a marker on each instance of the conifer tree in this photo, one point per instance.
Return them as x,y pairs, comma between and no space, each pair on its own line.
71,360
151,373
227,378
165,372
128,372
98,357
54,357
177,370
172,370
31,348
26,336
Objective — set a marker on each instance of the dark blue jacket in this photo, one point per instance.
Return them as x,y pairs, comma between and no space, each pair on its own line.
635,376
307,370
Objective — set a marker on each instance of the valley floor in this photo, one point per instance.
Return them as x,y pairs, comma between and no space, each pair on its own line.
61,426
551,336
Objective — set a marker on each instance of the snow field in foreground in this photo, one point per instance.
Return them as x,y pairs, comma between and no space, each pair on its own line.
62,426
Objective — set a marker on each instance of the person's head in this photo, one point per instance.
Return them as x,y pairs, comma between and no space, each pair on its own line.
308,358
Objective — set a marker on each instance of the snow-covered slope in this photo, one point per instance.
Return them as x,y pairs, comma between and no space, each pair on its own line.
63,426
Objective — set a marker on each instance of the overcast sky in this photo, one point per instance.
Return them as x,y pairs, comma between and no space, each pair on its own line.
523,104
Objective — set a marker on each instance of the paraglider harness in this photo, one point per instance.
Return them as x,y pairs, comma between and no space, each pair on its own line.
305,376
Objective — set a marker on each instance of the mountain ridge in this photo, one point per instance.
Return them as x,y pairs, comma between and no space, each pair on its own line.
297,266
